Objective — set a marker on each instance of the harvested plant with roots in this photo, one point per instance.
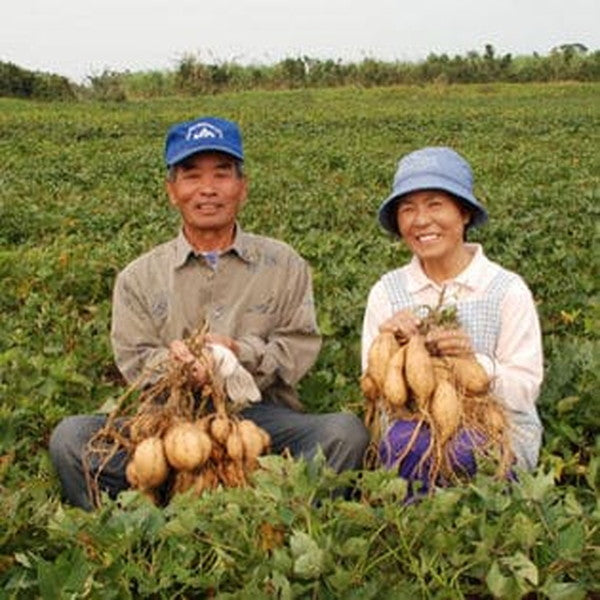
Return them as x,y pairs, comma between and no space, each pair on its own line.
176,436
449,395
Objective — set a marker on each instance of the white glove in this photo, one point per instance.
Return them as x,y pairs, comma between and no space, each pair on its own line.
239,384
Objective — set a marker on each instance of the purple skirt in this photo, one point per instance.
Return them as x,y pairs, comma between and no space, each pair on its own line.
404,448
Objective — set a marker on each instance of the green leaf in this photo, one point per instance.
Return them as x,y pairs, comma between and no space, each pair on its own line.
310,565
534,486
497,583
571,541
525,531
23,559
63,577
309,559
592,473
566,405
524,570
280,586
354,546
341,580
572,506
301,543
326,325
281,560
564,591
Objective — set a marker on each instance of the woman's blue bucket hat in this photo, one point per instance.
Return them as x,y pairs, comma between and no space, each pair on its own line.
432,168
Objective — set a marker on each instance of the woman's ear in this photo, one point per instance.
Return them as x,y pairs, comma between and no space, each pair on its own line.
467,217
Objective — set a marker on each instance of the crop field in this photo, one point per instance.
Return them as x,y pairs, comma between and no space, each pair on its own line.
82,193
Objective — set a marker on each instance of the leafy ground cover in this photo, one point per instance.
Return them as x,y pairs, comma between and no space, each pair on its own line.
81,193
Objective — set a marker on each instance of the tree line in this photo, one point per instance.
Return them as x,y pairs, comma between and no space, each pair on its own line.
193,76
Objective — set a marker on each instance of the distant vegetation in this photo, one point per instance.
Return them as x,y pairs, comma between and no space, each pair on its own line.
192,76
21,83
82,194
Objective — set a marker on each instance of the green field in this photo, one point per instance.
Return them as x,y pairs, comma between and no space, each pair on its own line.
81,194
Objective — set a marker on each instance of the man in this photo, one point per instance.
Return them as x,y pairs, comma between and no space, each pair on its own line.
254,293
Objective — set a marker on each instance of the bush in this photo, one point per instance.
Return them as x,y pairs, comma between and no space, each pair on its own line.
21,83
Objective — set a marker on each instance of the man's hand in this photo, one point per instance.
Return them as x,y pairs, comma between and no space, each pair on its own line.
181,353
239,383
223,340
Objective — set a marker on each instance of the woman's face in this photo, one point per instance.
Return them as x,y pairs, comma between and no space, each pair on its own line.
432,223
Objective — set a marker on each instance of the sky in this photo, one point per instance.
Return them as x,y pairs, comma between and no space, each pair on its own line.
79,38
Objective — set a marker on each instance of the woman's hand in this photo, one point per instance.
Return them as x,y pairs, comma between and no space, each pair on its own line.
181,353
403,324
442,341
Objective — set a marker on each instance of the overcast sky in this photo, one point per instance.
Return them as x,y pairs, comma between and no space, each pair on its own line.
78,38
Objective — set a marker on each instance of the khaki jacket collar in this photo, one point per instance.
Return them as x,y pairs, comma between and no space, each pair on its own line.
242,247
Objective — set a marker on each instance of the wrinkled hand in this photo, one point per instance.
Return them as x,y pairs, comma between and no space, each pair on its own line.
403,324
223,340
442,341
181,353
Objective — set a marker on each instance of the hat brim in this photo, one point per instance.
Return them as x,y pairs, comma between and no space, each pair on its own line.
388,209
206,148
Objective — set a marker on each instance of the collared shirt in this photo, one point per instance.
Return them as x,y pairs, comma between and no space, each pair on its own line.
258,292
516,365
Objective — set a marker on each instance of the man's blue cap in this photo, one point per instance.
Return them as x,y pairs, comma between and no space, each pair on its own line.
202,135
432,168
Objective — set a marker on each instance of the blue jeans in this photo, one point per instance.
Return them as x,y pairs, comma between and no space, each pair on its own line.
341,436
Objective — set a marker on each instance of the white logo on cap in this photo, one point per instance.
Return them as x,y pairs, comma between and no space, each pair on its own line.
203,130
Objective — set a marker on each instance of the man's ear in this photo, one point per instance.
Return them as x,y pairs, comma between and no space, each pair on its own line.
170,193
244,192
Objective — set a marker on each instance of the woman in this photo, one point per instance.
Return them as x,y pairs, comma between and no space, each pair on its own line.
431,208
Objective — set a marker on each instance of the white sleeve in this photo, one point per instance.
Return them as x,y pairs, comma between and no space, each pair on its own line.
378,310
518,361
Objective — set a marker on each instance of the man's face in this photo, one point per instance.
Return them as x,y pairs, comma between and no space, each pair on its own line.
208,191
